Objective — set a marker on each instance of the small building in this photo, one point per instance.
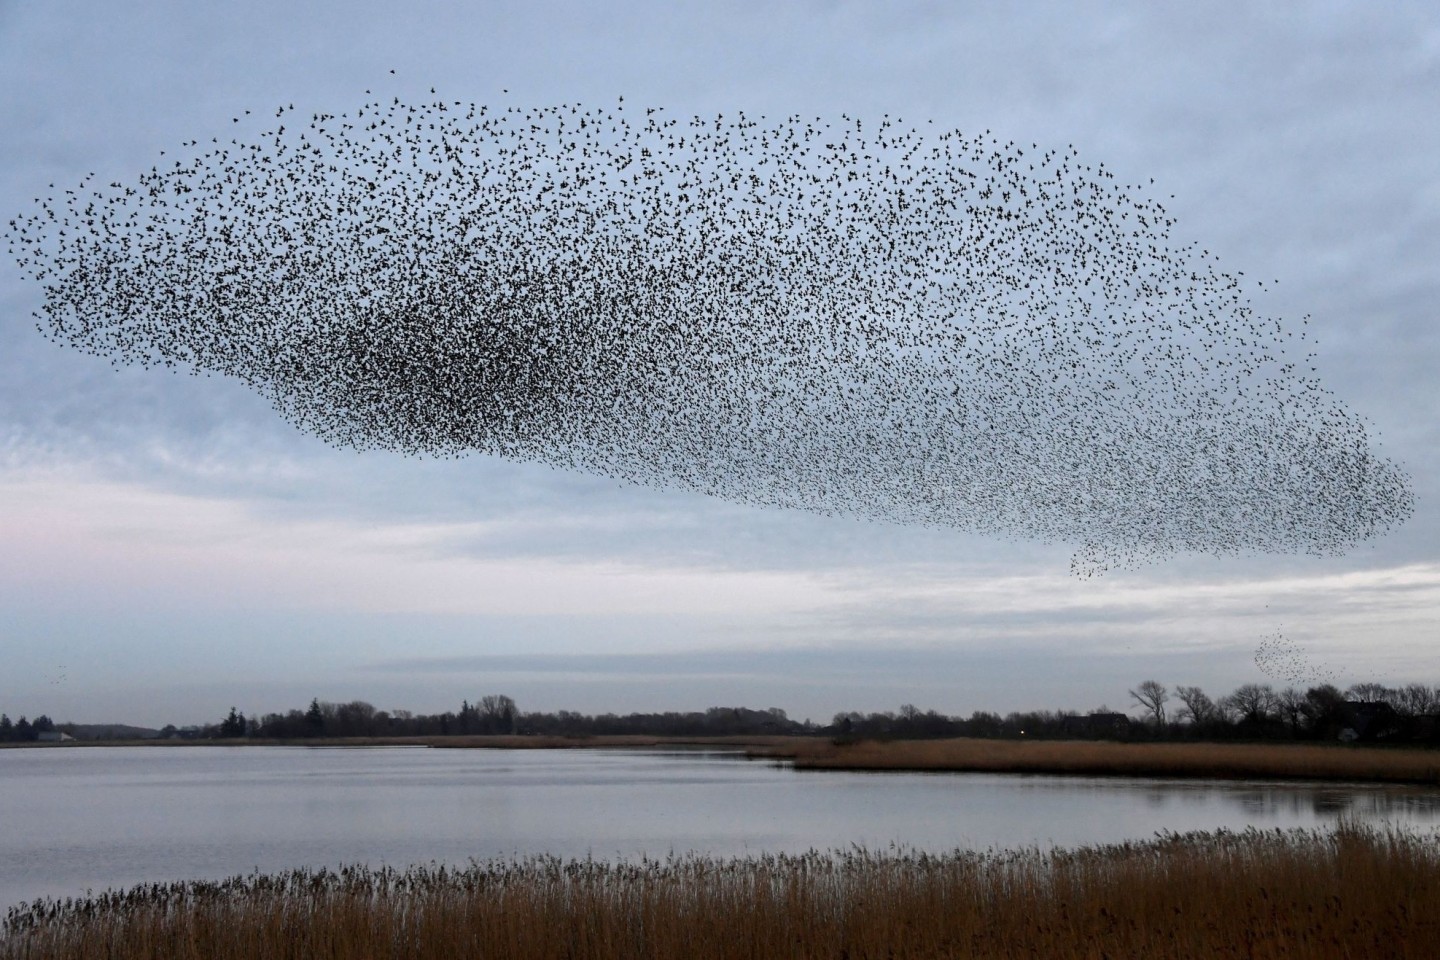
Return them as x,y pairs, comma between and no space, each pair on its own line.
53,736
1369,721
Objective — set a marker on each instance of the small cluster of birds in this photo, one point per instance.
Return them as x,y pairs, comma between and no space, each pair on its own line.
1281,658
851,317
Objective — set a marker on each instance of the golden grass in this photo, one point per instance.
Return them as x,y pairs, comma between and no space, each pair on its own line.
1289,761
1347,892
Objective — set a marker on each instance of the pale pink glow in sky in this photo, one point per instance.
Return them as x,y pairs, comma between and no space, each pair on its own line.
145,576
1402,589
65,533
122,540
1356,619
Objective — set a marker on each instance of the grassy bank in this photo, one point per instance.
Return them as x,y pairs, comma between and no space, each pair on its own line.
1264,761
1348,892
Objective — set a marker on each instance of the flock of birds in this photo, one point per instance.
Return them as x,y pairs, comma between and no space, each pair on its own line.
857,318
1281,658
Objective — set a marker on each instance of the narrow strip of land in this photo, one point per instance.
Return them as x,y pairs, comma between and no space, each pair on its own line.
1264,761
1229,761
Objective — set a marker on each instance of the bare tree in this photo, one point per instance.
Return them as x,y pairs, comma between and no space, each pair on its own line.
1199,708
497,713
1416,700
1290,704
1368,692
1252,702
1152,695
353,719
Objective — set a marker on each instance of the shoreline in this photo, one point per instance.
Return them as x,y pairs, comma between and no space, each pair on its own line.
1345,891
1092,758
1406,766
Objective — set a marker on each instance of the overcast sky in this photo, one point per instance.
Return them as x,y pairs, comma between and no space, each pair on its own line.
169,547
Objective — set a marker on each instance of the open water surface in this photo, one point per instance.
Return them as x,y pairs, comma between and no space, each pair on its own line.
73,819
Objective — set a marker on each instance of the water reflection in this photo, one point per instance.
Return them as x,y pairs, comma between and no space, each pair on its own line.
96,818
1365,803
1286,800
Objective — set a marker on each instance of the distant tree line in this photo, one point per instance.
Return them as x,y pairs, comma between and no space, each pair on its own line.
1370,712
714,722
22,730
1363,711
489,715
494,714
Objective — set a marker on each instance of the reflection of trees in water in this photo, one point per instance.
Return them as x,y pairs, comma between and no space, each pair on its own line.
1367,803
1277,800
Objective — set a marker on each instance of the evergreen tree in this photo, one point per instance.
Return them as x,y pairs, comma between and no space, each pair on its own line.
233,726
315,718
469,718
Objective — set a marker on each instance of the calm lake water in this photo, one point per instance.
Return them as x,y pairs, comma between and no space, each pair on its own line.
78,818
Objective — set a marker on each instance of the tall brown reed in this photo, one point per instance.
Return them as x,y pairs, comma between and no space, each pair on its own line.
1352,891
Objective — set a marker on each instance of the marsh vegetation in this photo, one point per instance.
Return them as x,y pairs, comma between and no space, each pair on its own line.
1344,892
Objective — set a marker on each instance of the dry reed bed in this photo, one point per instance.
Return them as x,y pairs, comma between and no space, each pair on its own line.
1348,892
1207,760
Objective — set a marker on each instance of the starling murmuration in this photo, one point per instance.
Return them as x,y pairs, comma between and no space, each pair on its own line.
856,318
